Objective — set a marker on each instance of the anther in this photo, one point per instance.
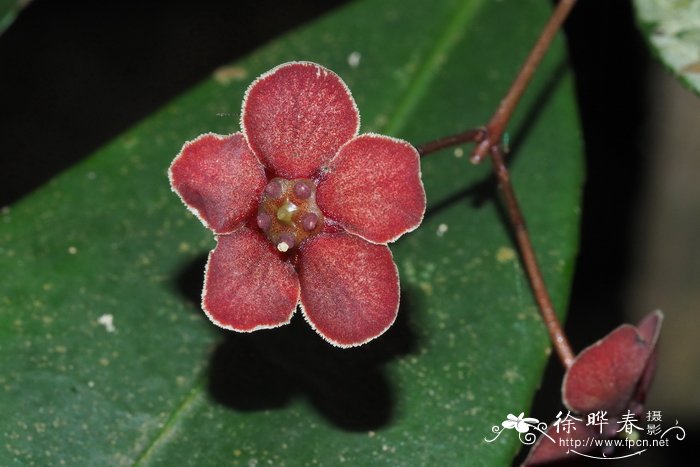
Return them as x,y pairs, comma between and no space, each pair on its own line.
264,221
274,189
288,214
302,190
309,221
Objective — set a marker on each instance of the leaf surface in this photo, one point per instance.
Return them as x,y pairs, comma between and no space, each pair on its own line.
9,9
107,358
672,29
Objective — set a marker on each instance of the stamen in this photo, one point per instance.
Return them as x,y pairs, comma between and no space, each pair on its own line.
264,221
274,189
286,242
309,221
288,214
302,190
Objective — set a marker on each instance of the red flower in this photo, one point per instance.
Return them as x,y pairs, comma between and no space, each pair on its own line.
612,376
302,207
615,373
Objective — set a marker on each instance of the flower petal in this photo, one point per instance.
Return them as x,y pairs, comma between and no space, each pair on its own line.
605,375
296,116
349,288
650,329
246,285
373,188
219,179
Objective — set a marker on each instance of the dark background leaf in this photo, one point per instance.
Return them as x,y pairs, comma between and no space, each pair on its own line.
9,9
672,29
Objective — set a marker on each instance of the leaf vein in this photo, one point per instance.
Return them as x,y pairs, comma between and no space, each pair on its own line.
191,400
430,65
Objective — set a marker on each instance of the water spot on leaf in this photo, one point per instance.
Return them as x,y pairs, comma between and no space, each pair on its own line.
505,254
107,320
228,74
354,59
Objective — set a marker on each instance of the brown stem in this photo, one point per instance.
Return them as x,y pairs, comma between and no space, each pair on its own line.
488,142
470,136
559,340
502,116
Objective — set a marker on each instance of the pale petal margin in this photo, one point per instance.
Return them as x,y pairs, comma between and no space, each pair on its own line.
373,188
349,288
296,117
247,285
219,179
650,330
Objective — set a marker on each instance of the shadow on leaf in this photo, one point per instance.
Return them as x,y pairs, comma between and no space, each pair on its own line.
266,369
190,280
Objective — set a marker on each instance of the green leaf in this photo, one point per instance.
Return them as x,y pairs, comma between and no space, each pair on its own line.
9,9
107,359
672,28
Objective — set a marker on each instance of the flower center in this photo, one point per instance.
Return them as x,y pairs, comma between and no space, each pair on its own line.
288,213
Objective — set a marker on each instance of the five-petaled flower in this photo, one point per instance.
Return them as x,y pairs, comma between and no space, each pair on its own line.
302,208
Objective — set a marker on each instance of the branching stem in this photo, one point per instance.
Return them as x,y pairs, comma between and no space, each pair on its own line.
501,117
488,142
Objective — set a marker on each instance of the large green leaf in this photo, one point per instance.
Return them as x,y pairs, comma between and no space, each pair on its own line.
159,384
9,9
672,28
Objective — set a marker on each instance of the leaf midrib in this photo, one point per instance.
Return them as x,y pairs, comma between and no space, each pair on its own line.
418,86
193,397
